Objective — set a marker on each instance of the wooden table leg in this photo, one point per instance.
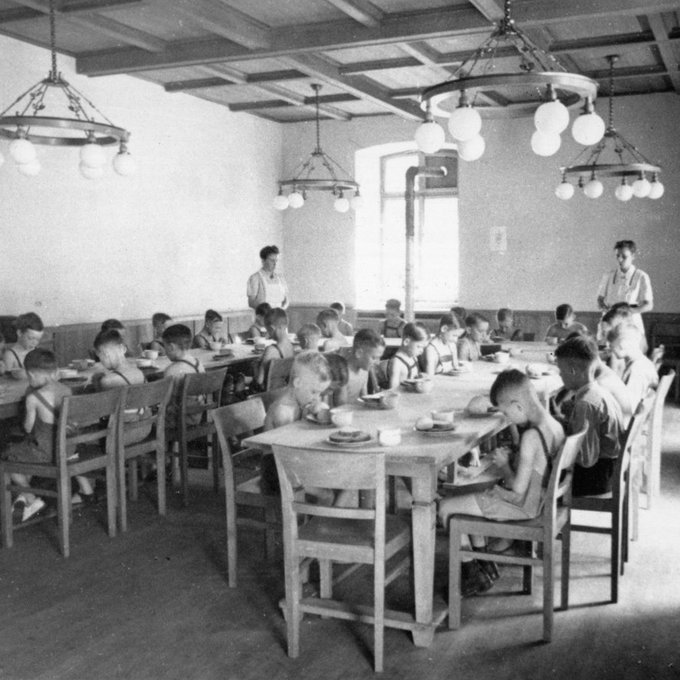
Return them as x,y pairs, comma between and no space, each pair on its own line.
423,517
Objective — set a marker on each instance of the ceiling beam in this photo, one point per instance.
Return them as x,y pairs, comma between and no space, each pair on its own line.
364,12
85,7
280,103
219,18
252,78
666,50
426,56
85,18
489,9
360,86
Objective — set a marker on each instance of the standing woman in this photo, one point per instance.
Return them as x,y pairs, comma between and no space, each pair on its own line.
266,285
627,284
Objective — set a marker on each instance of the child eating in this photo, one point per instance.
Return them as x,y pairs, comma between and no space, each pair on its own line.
365,353
345,327
277,327
327,320
469,344
211,332
159,322
309,337
29,334
565,324
404,364
393,326
506,330
259,327
441,353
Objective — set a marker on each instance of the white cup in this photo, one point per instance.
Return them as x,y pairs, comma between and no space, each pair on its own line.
341,416
444,417
389,436
150,354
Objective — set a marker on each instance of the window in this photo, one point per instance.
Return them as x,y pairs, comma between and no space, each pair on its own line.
381,228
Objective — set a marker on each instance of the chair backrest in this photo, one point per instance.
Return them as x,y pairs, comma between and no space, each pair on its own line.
302,468
656,415
278,373
238,419
151,398
208,385
268,398
528,337
88,418
561,475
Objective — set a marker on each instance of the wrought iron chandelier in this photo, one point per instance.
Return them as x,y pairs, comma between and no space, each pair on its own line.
613,156
319,172
477,87
76,121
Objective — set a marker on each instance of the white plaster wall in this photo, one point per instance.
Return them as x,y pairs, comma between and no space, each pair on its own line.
557,251
180,236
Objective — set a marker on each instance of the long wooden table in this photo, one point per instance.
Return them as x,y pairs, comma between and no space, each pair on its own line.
419,457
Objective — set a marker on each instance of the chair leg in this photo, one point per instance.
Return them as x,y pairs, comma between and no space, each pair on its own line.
378,616
230,516
548,588
64,513
292,604
617,522
326,579
184,471
160,479
6,510
111,494
215,455
527,579
270,533
133,482
566,567
454,576
122,499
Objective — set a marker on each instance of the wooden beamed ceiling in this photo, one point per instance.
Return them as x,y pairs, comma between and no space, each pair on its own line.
372,56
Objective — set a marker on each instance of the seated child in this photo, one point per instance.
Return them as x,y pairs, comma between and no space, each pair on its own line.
366,351
519,496
29,334
639,373
345,327
211,331
277,327
310,377
159,321
441,353
469,344
327,320
177,341
565,324
116,325
259,328
309,337
3,347
393,326
595,408
43,400
506,329
404,364
460,314
336,394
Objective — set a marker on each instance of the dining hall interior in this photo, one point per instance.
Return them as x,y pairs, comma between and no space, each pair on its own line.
219,108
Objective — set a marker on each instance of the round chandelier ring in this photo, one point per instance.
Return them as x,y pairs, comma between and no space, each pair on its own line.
111,133
612,169
320,184
573,87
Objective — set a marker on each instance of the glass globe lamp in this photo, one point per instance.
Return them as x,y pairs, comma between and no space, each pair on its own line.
551,117
564,190
124,164
341,204
430,136
593,188
472,149
22,151
545,143
588,128
465,123
296,200
92,155
624,192
89,172
280,202
641,187
657,190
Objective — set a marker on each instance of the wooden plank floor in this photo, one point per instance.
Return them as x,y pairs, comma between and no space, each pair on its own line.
154,604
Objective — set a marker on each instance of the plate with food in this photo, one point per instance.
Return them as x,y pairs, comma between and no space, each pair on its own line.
348,437
73,382
382,400
421,385
426,426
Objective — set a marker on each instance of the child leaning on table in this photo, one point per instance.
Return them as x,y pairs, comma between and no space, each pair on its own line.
327,320
519,495
259,327
159,322
404,364
29,334
310,377
469,344
211,331
441,353
595,408
345,327
43,400
277,327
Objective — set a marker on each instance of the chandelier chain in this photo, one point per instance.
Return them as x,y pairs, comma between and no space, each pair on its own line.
53,42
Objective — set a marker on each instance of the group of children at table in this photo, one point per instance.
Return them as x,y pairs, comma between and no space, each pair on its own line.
595,395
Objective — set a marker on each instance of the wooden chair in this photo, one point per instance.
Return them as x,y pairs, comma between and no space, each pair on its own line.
616,503
650,475
88,419
234,421
336,534
268,398
668,335
554,522
138,436
278,373
199,394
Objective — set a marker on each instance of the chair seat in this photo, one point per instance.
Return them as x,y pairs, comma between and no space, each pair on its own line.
527,529
352,531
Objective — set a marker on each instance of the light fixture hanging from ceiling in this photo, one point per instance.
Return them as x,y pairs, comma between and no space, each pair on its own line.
81,124
612,156
476,88
305,179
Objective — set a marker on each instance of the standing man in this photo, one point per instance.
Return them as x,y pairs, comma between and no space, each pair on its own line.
627,284
266,285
